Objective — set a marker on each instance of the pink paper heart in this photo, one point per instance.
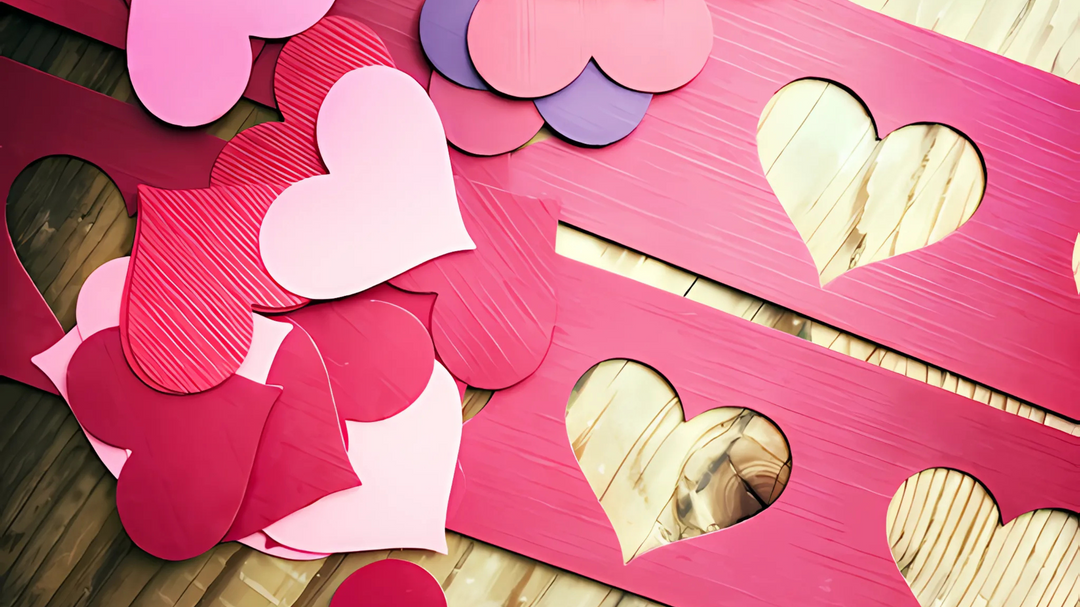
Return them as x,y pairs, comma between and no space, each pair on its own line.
388,203
285,152
495,311
526,48
190,60
407,464
194,281
378,355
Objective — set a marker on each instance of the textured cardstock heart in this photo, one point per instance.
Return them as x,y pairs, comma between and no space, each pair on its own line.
195,279
311,62
626,426
388,203
856,199
190,60
407,464
180,490
945,533
496,308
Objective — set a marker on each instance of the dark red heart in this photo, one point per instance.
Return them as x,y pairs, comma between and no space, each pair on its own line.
191,456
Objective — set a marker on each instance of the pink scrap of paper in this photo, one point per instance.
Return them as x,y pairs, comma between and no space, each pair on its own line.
190,60
388,203
407,464
525,48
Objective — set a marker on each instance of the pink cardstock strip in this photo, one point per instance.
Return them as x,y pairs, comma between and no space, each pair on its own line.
407,465
198,84
301,456
995,301
195,278
389,583
181,488
263,543
856,432
310,63
496,306
379,356
388,202
525,48
481,122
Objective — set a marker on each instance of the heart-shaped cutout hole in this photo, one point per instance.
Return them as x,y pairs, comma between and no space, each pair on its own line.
946,537
661,479
856,199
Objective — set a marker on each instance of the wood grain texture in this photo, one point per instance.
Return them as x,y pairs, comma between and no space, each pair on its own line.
39,439
857,196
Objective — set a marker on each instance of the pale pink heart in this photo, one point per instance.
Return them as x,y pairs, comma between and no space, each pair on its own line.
98,305
190,60
388,203
407,464
531,48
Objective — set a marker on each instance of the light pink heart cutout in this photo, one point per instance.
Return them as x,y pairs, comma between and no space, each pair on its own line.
387,205
190,60
407,464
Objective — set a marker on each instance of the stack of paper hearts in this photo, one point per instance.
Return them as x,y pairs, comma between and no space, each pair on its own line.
588,69
230,405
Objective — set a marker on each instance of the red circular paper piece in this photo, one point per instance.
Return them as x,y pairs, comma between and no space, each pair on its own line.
390,583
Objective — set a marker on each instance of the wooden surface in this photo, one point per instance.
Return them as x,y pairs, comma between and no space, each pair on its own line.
61,542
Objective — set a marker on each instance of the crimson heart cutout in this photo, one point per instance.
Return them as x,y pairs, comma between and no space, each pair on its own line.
311,62
195,278
379,356
301,456
495,310
191,456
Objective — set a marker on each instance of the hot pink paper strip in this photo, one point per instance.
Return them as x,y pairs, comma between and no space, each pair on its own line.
496,308
389,583
301,456
284,153
995,302
379,356
200,83
481,122
183,484
525,48
388,202
407,465
195,278
856,432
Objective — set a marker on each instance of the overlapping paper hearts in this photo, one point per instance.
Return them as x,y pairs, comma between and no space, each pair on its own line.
583,69
200,82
